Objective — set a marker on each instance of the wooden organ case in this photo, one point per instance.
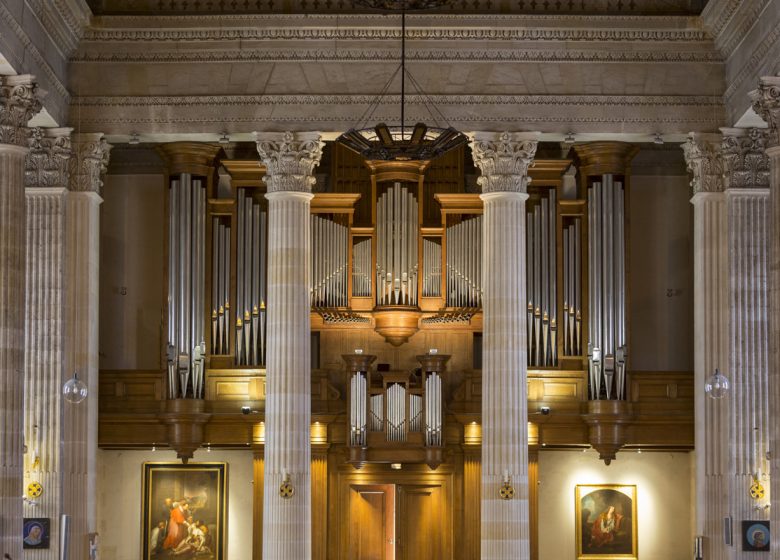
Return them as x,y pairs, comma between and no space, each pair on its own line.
396,291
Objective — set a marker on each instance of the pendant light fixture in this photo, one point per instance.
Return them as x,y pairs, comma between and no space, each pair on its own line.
402,142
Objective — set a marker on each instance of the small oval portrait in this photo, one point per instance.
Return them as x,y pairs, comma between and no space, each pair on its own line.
35,533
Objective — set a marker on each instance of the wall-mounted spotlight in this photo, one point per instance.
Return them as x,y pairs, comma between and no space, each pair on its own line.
134,139
569,138
224,138
658,138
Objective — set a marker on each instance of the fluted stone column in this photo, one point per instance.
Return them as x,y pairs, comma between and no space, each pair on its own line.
710,253
503,160
80,422
290,159
47,172
18,103
766,102
746,182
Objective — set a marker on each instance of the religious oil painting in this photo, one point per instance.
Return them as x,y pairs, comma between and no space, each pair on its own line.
35,532
606,521
755,536
184,511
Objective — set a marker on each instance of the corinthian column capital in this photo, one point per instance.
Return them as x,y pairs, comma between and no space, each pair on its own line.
766,103
705,162
745,163
47,164
18,104
503,159
290,159
90,162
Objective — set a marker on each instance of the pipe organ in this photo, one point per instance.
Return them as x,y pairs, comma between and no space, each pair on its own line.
251,271
607,351
572,287
361,268
464,261
186,288
541,280
330,262
432,258
397,223
392,408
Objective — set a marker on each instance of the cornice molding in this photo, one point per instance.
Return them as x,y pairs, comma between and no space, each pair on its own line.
704,160
33,51
745,162
48,162
454,54
718,13
749,67
740,25
295,33
577,113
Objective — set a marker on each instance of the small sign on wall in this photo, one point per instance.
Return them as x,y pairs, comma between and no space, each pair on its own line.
755,536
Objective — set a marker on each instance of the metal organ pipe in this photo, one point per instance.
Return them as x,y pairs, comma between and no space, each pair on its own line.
329,262
607,350
397,253
433,410
464,263
358,424
186,281
251,267
431,268
542,314
361,268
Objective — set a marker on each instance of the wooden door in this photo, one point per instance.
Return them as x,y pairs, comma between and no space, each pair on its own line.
420,522
371,522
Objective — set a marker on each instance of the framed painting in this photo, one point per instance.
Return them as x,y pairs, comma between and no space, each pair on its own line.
606,522
755,536
36,532
184,511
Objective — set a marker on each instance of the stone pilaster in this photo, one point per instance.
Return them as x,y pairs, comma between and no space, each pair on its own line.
710,250
80,422
47,170
290,159
746,179
503,160
766,102
18,104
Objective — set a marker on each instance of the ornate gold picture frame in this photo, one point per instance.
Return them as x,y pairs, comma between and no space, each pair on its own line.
606,521
184,511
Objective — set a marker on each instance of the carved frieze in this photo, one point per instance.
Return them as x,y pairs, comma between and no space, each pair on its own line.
503,159
290,159
704,160
18,104
90,162
766,103
47,164
745,163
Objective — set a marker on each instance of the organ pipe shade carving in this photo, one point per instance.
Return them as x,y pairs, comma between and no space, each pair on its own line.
397,252
186,287
330,262
464,263
607,351
251,284
542,309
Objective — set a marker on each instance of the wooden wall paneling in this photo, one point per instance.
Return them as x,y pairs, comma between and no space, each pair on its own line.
472,482
350,175
257,505
533,501
319,502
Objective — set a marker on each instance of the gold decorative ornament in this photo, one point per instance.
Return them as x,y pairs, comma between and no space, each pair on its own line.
757,489
286,489
507,491
34,490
